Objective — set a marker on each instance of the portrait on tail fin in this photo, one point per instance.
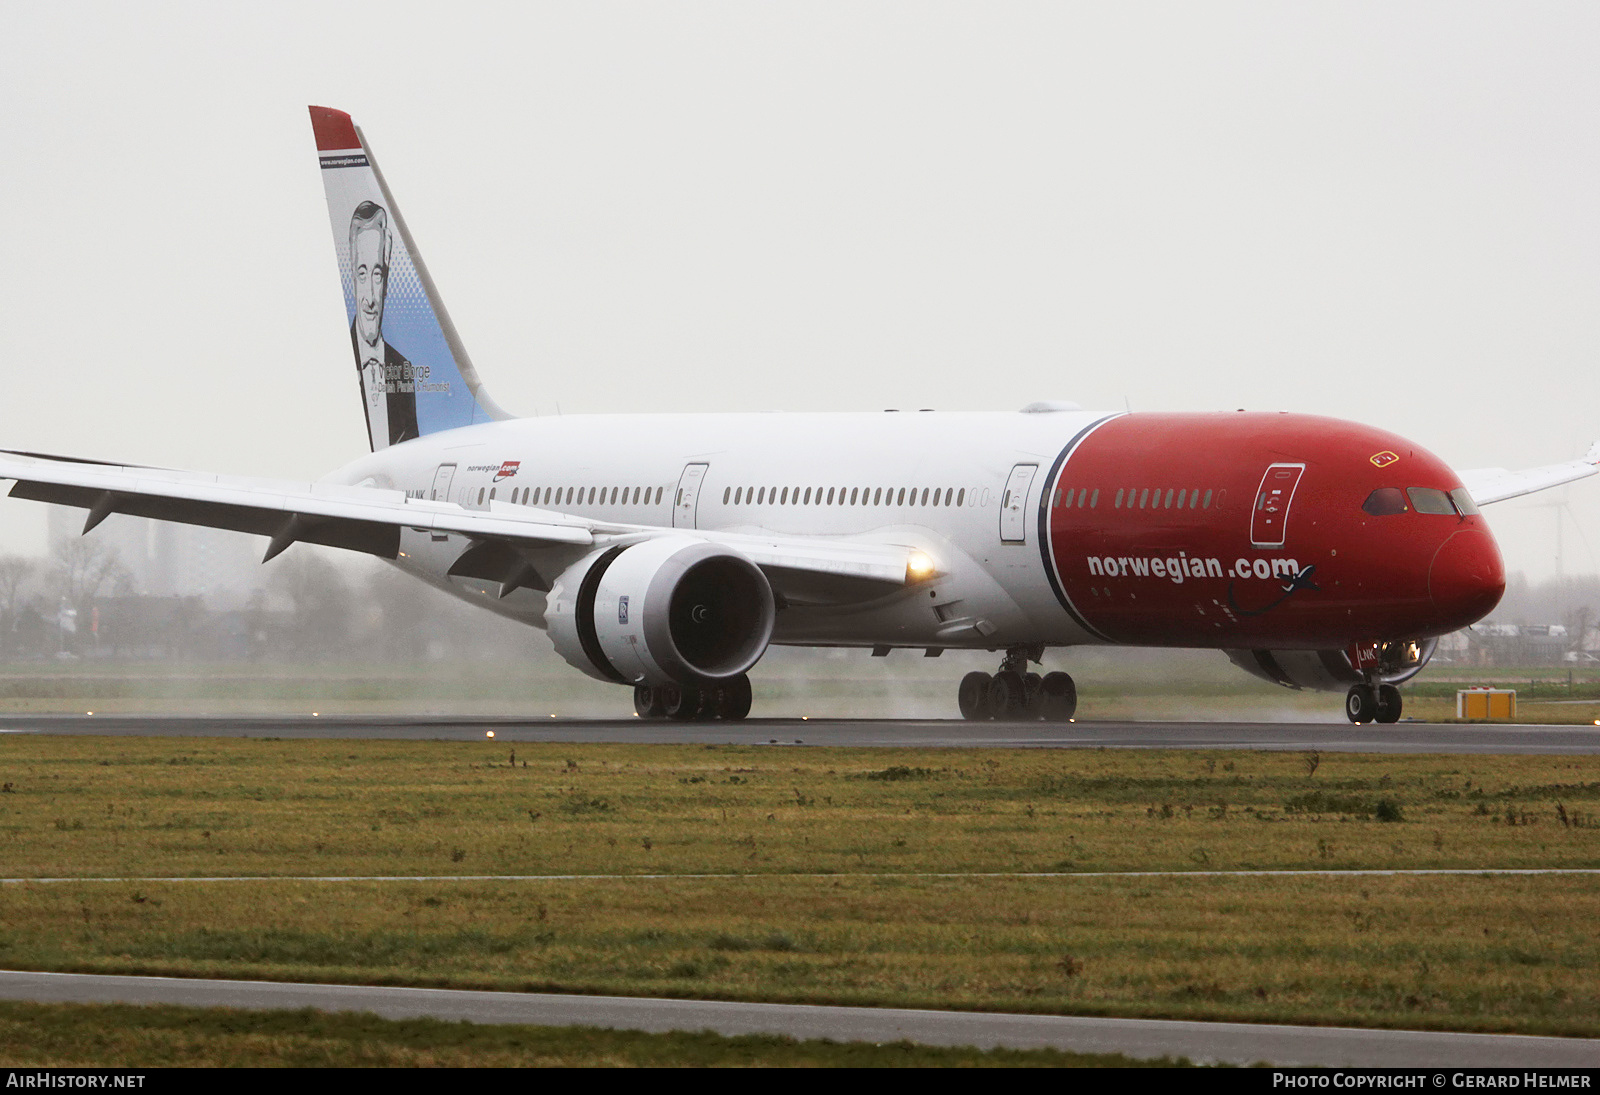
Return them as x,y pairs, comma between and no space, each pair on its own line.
388,381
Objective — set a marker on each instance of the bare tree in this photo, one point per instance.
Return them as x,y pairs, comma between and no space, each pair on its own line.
321,598
1578,621
79,569
16,572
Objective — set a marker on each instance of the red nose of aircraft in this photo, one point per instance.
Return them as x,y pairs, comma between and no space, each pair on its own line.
1467,577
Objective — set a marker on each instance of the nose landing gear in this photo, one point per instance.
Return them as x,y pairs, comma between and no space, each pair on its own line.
728,699
1367,702
1014,693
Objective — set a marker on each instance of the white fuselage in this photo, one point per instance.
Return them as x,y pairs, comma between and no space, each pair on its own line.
934,481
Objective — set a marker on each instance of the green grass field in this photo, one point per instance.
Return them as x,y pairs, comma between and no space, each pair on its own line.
831,855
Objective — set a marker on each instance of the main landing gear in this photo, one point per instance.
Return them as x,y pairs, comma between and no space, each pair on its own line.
1367,702
1016,694
728,699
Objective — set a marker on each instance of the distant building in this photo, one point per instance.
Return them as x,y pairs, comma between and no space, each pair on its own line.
165,559
1497,644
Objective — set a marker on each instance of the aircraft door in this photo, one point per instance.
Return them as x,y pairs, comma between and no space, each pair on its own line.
1013,521
1269,518
683,507
441,492
441,483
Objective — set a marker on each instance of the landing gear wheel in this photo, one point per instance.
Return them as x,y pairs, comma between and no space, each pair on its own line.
730,699
1389,703
648,702
1058,697
683,703
973,696
1008,694
1032,684
1361,703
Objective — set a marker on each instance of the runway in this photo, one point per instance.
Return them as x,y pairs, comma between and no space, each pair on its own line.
1230,1043
1402,737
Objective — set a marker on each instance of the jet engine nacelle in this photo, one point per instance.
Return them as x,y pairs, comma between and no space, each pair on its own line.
1330,670
668,610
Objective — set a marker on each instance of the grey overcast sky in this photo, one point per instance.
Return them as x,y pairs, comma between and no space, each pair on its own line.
1384,212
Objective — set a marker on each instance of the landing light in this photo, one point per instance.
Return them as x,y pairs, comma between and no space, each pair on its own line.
919,565
491,733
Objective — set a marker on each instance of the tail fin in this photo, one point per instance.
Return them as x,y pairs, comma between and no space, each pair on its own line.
416,378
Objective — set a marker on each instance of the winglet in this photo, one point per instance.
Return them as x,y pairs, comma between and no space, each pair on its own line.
1593,455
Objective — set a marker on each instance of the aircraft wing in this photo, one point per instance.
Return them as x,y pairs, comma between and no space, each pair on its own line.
1497,484
370,520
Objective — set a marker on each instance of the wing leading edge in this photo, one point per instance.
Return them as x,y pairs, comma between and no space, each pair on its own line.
1488,485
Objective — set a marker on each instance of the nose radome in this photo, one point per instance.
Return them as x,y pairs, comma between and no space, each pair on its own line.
1467,577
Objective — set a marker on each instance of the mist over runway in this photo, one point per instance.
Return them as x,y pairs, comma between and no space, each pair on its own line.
1403,737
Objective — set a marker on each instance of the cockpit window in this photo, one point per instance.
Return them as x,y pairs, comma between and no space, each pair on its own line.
1384,501
1387,500
1431,500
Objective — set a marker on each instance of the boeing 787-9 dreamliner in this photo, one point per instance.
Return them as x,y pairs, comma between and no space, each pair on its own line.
666,552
